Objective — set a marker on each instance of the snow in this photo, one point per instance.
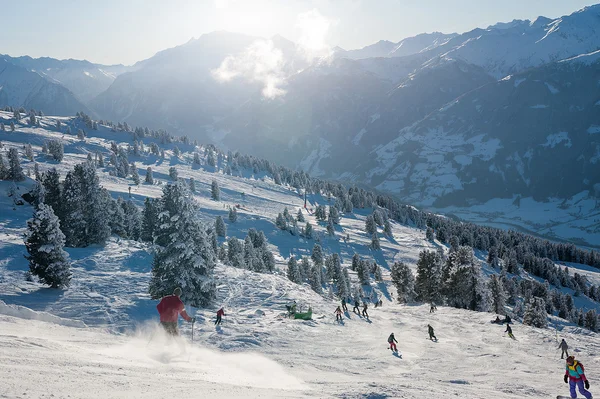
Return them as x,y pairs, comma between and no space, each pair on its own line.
356,139
552,89
519,81
98,338
553,140
539,106
594,129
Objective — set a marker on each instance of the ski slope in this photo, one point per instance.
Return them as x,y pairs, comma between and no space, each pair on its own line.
98,338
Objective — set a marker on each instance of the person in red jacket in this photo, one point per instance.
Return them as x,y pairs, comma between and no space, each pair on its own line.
220,313
169,309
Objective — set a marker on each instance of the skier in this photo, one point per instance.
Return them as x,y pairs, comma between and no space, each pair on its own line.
574,375
432,308
220,313
380,303
344,307
509,331
431,334
169,308
565,348
497,321
392,341
364,311
356,308
338,314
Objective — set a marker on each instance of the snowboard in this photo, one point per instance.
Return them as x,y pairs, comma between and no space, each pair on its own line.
563,397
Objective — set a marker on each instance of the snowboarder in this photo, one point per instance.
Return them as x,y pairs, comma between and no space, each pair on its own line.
344,307
509,331
356,308
432,308
431,334
497,321
565,348
338,314
574,375
220,313
291,308
364,311
169,308
392,341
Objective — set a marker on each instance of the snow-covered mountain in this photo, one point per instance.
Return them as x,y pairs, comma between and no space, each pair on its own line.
20,87
83,78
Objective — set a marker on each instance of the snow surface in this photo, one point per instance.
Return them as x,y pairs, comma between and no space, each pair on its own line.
257,352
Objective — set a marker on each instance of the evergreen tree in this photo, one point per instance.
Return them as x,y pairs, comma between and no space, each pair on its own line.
220,227
15,172
362,270
304,268
29,152
535,313
134,174
300,216
428,280
3,168
315,279
387,228
370,226
52,191
12,126
185,257
232,214
330,228
317,255
375,242
404,281
133,220
591,320
44,242
116,219
280,222
308,231
149,178
235,252
149,220
293,272
192,185
80,134
429,234
377,273
215,192
173,173
56,149
334,215
498,294
320,213
355,262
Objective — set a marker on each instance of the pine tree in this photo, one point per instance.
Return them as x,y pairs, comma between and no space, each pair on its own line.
15,172
52,190
591,320
404,281
304,268
330,228
387,228
3,168
317,255
12,126
320,213
293,273
377,273
192,184
149,178
149,220
58,125
308,231
44,242
370,226
29,152
280,222
215,192
355,262
232,214
99,160
300,216
133,220
117,217
56,149
315,279
535,313
375,245
220,227
184,257
428,280
173,173
498,294
362,270
334,215
134,174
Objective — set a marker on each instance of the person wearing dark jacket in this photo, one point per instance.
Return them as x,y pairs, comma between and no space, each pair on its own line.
356,308
220,313
565,348
169,308
344,307
509,331
364,311
431,334
392,341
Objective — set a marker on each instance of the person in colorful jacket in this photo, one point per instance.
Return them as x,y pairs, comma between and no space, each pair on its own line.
220,314
574,375
169,309
392,341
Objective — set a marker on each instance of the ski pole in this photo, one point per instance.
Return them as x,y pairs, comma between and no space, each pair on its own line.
193,321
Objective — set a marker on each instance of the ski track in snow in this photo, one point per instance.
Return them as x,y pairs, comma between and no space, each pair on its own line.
258,351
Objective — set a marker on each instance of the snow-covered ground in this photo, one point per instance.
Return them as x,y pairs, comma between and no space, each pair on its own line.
98,339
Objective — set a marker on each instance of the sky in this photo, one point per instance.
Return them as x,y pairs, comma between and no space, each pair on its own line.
126,31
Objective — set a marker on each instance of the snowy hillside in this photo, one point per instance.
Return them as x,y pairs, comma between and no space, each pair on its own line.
100,336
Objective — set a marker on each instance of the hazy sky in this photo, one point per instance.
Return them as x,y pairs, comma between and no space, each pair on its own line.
126,31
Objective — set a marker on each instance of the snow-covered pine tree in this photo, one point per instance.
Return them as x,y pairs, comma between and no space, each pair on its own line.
330,228
342,285
320,213
370,226
3,168
149,178
498,294
308,231
280,222
235,252
117,217
192,184
387,228
12,126
80,134
176,152
215,191
591,320
15,172
429,234
134,174
293,273
149,220
56,149
317,255
99,160
44,242
304,268
362,271
300,216
535,313
428,279
52,190
133,220
38,193
375,245
315,279
197,159
404,281
29,152
334,215
184,257
355,262
173,173
220,227
377,217
377,273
